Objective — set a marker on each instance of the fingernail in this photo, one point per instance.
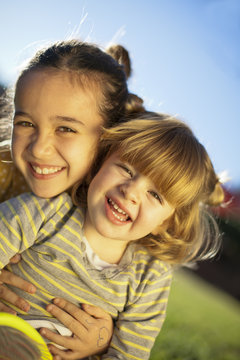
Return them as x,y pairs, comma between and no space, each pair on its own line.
42,332
49,307
31,289
56,301
25,307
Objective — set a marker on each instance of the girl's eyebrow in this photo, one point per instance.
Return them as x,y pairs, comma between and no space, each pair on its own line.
21,113
69,119
57,117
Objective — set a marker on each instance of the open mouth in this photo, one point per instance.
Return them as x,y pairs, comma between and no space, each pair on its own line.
46,170
117,212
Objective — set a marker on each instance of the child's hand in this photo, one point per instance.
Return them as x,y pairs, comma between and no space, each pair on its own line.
92,328
6,277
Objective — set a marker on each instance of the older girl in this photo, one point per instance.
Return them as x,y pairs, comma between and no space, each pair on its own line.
62,98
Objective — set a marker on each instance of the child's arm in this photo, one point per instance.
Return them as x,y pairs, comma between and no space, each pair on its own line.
138,326
14,230
20,220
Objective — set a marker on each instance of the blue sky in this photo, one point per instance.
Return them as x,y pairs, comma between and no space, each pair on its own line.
185,56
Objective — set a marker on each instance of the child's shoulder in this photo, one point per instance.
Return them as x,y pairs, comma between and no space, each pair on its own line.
62,203
148,274
147,263
41,210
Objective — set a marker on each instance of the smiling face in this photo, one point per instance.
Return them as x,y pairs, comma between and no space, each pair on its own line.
56,130
123,204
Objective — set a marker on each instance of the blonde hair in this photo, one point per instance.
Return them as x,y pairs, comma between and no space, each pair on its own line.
165,149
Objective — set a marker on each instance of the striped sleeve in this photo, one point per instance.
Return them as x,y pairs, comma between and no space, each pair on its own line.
138,325
20,221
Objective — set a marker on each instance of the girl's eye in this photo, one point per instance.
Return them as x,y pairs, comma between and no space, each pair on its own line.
65,129
156,196
24,123
126,169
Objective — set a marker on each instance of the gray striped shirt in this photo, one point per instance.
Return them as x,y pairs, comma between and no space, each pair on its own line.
48,233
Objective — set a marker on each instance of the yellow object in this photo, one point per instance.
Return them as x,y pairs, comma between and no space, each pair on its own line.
25,328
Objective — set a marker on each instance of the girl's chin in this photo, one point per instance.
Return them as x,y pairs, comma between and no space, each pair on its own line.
45,194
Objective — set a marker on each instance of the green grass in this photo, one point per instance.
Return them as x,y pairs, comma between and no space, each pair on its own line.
202,323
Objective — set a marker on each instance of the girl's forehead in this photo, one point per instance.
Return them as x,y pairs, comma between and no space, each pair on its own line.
52,80
43,94
83,80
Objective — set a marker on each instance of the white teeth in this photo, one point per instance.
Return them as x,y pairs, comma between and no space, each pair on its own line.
118,217
46,171
117,207
124,216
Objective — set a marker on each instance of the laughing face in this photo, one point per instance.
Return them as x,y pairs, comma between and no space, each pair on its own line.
56,129
123,204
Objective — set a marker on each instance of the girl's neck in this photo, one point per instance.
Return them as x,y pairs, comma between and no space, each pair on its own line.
109,250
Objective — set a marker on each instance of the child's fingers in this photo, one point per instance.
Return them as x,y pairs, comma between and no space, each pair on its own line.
64,355
80,315
96,312
78,327
9,296
67,342
91,334
9,278
5,308
15,259
6,277
57,357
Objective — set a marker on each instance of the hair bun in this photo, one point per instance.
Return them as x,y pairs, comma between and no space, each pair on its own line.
134,105
121,55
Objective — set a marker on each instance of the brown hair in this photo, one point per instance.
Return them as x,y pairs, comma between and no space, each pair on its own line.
90,66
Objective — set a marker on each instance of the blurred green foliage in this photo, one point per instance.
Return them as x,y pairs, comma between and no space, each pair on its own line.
203,323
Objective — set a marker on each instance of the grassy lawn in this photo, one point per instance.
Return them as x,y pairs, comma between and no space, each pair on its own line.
202,323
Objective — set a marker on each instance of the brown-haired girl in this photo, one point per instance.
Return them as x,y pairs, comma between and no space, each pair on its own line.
61,99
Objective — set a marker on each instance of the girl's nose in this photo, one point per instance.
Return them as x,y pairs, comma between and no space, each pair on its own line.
132,191
41,145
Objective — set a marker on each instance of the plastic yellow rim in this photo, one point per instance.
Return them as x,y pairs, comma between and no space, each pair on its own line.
23,326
